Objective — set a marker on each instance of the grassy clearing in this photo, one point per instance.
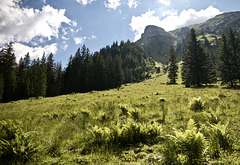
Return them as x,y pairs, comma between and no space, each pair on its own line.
142,123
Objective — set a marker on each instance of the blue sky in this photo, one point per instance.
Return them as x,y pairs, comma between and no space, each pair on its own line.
62,26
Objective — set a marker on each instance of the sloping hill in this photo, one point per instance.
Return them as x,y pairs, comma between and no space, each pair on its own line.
130,125
217,25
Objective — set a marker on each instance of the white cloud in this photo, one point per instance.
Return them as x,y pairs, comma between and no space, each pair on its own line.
21,24
79,40
74,23
165,2
132,3
85,2
112,4
21,50
93,37
173,20
189,17
139,23
64,46
171,12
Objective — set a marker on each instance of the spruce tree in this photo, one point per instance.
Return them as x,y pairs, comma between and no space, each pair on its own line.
20,77
7,70
233,44
100,76
173,67
110,72
229,59
59,79
23,78
51,86
118,72
38,77
1,87
27,75
195,71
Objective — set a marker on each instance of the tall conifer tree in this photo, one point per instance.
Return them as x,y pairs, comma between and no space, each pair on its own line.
195,71
50,73
173,67
1,87
229,59
8,71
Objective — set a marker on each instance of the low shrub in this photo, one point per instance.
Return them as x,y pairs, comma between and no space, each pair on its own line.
190,145
196,104
212,103
129,111
15,145
219,139
53,115
126,133
212,116
72,115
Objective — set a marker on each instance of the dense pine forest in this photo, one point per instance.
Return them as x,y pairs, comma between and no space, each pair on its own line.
107,69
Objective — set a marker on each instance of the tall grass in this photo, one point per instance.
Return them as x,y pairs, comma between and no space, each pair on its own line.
142,123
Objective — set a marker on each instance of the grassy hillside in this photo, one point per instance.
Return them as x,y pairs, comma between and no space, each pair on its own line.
142,123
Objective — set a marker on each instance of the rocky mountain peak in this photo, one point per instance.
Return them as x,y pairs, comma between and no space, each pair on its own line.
152,30
157,41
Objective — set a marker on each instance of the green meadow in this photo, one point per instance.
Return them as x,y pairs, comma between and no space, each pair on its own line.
141,123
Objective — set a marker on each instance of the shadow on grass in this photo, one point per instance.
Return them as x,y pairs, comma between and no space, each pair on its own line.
236,87
203,86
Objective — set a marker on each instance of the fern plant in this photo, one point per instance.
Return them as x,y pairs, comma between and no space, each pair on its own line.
196,104
213,116
15,145
191,145
126,133
129,111
219,138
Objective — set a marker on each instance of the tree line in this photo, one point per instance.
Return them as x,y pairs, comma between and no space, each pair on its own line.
115,65
109,68
200,66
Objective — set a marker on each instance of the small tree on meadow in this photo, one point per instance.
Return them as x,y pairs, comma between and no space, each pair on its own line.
173,67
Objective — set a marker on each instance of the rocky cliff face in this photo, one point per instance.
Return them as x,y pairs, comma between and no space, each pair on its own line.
157,41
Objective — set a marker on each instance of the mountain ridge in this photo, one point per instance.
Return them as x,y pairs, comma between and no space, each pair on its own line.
157,41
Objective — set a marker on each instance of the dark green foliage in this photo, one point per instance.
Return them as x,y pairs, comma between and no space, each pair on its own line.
173,67
7,69
50,71
1,86
38,77
23,78
58,79
229,58
118,72
195,69
109,68
196,104
54,77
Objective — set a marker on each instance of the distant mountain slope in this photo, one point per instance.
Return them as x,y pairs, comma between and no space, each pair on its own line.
157,41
